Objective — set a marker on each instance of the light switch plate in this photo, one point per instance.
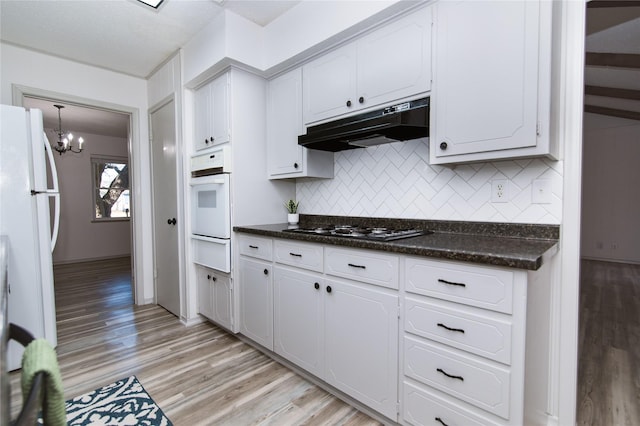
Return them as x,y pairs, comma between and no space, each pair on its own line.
541,191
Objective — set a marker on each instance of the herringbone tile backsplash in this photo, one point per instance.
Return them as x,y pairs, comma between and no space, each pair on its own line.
396,181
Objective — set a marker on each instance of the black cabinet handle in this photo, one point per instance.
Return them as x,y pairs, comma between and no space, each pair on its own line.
361,99
171,221
253,247
212,138
328,289
357,266
450,329
295,254
440,370
451,283
349,103
212,156
206,140
266,271
208,277
438,419
316,286
443,146
295,165
214,279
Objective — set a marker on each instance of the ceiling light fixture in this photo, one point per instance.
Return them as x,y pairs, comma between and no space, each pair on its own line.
152,3
65,138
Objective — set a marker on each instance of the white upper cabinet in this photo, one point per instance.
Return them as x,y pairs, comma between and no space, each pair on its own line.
211,105
490,94
390,63
287,159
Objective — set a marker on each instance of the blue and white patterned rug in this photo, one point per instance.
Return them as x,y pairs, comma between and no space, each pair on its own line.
124,402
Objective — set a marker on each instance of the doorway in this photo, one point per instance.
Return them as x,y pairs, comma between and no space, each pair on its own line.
95,215
609,359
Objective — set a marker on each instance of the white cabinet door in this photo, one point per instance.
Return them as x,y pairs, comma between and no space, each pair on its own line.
222,313
256,301
287,159
211,113
330,84
390,63
485,89
202,113
394,62
205,292
361,343
220,109
298,318
284,123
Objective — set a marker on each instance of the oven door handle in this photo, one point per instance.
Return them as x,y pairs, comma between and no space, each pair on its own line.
207,181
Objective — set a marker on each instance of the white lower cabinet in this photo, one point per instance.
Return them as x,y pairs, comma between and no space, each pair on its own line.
256,301
298,318
419,341
463,338
214,296
361,343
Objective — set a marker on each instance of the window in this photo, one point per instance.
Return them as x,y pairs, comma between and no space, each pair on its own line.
111,188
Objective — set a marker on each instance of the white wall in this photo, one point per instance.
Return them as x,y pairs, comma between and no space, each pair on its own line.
80,238
37,73
396,180
610,194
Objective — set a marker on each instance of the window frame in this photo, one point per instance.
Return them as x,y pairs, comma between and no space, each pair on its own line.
95,186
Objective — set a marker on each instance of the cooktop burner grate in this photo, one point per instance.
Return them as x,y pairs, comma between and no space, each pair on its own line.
357,232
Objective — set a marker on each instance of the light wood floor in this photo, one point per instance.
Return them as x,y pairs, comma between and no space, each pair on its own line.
609,346
198,375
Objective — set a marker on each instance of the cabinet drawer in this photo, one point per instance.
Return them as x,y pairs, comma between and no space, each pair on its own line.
370,267
213,253
423,407
463,328
302,255
485,287
258,247
470,379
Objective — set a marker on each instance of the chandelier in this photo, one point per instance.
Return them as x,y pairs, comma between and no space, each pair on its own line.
65,138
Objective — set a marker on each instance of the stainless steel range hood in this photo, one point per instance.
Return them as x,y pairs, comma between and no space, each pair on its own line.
401,122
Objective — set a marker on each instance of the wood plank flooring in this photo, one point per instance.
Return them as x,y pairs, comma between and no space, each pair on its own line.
198,375
609,345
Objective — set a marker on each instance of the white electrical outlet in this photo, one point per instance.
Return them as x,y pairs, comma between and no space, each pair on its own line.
499,191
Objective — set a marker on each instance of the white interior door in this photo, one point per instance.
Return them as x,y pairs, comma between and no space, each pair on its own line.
165,206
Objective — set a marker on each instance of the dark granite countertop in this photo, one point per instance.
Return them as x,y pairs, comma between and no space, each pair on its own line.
518,246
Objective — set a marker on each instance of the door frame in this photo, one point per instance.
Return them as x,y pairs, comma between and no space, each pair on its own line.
137,259
180,199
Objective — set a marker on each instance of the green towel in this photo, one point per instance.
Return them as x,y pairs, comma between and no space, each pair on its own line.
39,356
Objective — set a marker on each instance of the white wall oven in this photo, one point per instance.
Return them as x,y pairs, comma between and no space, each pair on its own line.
211,209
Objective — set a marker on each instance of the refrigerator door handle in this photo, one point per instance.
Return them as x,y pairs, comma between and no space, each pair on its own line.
53,192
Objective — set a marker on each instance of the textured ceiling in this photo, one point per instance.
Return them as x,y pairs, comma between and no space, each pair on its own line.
120,35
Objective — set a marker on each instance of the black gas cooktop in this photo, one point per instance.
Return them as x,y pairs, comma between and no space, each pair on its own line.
361,233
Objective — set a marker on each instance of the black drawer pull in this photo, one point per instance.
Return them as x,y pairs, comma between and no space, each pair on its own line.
449,328
266,271
328,289
253,247
438,419
295,254
440,280
316,286
440,370
357,266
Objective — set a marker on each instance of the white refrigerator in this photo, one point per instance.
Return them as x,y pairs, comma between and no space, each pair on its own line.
29,218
